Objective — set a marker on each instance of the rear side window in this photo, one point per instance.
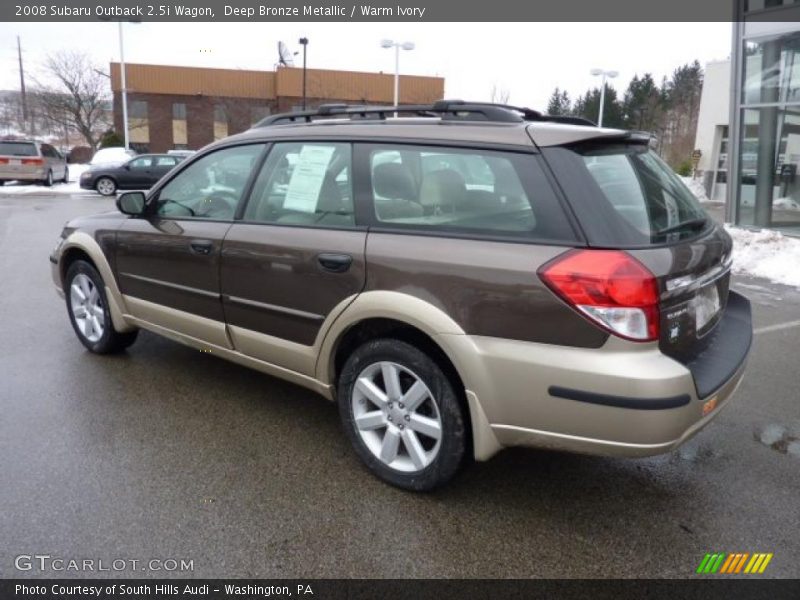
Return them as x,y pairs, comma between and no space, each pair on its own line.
626,195
18,149
483,192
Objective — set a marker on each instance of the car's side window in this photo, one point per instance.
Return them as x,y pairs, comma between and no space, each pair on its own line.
141,163
304,183
486,192
211,187
166,161
448,187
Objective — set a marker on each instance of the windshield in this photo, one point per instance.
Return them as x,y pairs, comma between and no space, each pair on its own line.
645,192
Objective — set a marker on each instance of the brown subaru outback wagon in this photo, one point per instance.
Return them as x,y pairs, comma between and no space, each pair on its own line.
459,279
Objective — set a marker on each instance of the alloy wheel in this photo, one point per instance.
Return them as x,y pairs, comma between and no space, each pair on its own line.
106,187
87,307
396,416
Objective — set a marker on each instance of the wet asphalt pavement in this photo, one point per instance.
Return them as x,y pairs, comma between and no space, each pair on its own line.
167,453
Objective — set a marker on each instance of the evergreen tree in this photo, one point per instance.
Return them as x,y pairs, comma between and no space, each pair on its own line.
559,103
643,104
588,107
682,98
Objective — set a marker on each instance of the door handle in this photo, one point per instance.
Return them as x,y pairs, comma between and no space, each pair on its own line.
335,263
203,247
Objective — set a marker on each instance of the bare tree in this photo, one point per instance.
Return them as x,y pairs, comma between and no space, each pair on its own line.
75,95
499,95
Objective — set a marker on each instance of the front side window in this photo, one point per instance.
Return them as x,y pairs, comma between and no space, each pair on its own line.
166,161
471,191
211,187
304,183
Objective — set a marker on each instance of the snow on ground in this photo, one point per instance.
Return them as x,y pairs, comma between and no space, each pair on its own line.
696,187
766,253
24,187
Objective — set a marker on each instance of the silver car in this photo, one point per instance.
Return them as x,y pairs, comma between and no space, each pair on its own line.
27,160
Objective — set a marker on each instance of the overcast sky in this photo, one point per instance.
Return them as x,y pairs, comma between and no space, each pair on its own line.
526,59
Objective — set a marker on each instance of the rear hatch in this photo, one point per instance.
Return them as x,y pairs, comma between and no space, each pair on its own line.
19,160
626,198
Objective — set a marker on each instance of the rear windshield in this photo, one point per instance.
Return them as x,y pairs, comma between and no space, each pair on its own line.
18,149
628,195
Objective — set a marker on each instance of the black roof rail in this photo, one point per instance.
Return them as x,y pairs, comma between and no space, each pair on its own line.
449,110
352,111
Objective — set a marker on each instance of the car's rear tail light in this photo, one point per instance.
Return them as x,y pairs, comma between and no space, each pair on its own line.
610,287
3,161
32,161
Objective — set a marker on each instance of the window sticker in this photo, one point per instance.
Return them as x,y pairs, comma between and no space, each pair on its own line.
307,178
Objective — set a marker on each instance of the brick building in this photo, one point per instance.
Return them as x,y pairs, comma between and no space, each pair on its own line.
188,107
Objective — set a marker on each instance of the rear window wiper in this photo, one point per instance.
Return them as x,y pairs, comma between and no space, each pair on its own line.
691,224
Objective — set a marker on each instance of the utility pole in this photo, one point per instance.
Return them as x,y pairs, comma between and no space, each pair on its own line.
22,85
304,42
124,88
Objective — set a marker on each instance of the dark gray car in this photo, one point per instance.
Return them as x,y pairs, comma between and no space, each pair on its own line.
139,173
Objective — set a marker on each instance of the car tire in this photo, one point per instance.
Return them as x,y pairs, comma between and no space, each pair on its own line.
66,175
397,441
87,307
48,181
106,186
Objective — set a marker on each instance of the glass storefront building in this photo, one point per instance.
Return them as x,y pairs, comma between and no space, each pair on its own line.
765,117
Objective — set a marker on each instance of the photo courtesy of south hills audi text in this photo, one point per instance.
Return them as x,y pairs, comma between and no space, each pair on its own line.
160,590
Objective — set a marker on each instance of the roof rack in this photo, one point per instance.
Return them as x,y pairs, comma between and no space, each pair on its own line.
455,110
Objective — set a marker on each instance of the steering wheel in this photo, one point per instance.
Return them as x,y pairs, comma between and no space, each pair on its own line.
218,204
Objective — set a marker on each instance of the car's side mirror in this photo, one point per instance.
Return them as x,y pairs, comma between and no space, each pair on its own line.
131,203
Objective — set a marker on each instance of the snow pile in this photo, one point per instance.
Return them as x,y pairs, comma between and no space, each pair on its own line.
696,187
767,254
786,203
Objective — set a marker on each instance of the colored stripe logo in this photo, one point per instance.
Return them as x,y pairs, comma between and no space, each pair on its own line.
734,563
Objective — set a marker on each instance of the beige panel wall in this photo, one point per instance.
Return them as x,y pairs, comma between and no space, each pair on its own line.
163,79
340,85
139,131
355,86
179,131
220,130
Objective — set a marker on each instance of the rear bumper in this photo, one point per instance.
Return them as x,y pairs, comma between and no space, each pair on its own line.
28,174
623,399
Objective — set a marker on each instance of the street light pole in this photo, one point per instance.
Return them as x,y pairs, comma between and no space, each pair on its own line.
304,42
397,46
604,74
396,75
602,100
124,87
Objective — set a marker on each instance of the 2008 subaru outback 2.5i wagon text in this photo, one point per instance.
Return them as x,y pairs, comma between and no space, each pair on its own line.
460,279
